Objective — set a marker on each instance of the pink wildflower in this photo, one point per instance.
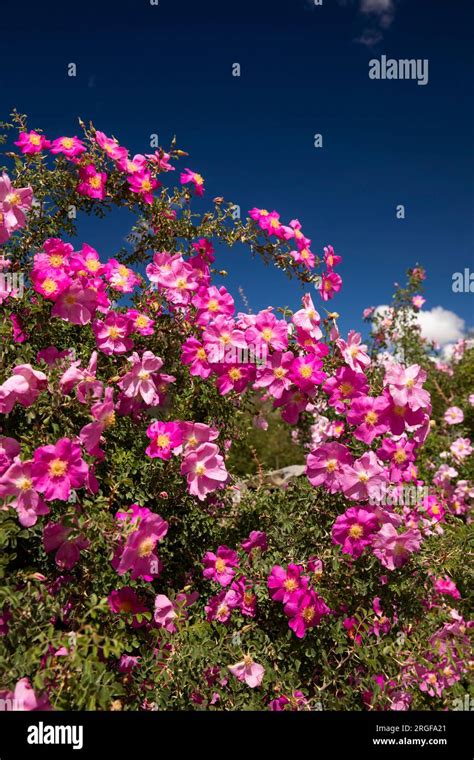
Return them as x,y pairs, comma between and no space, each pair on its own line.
32,142
71,147
364,476
194,178
57,469
354,530
393,548
138,555
248,671
165,437
112,334
283,584
204,469
331,283
306,372
354,352
454,415
219,567
305,610
324,465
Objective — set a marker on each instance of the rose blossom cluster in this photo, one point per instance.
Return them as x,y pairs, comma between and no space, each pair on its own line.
302,605
79,285
53,473
223,568
394,423
202,463
287,362
254,351
140,530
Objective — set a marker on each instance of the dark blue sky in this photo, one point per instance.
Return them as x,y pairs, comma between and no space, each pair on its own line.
167,69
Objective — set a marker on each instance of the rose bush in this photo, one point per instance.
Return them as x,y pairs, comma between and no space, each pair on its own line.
138,570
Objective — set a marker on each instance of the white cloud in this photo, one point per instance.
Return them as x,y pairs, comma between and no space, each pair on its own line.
381,310
377,6
370,37
380,14
441,325
437,324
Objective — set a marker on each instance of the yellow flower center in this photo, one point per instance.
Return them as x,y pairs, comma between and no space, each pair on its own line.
213,305
220,565
56,260
346,389
141,321
35,139
267,334
95,182
13,198
201,353
200,469
306,371
92,265
356,531
49,285
143,375
290,584
24,484
371,418
109,419
146,185
331,465
114,332
308,614
163,441
57,468
363,477
279,372
67,142
400,456
146,547
399,549
235,374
